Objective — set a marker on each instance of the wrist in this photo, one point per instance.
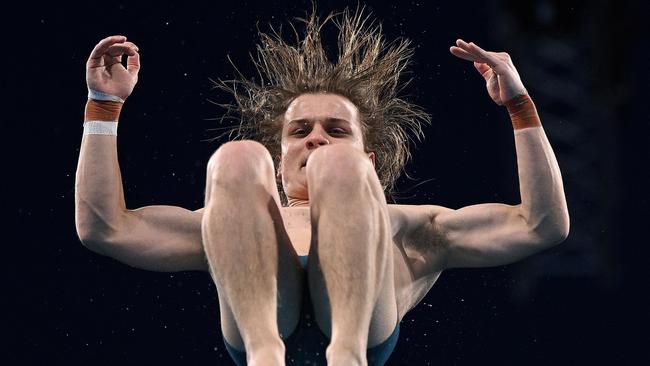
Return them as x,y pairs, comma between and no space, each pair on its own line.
523,113
102,110
98,95
102,113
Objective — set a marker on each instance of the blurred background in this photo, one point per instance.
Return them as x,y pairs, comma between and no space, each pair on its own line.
583,63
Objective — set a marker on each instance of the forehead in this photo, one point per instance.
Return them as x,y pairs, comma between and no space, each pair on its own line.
321,106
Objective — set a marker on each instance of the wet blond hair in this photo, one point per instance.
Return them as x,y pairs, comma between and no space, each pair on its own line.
368,72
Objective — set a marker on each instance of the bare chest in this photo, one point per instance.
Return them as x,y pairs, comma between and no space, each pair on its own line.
412,279
297,222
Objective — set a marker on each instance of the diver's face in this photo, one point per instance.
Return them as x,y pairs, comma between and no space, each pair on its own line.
312,121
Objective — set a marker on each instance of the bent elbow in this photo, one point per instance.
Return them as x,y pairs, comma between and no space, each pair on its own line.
557,232
562,228
97,235
95,240
559,236
92,242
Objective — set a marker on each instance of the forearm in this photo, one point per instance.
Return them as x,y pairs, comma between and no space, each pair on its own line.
543,203
99,196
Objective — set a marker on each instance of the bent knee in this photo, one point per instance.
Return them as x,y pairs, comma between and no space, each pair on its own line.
241,161
338,163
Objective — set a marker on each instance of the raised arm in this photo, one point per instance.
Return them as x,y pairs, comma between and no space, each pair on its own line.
159,238
495,234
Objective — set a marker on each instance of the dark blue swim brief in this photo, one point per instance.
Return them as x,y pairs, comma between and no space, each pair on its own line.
307,344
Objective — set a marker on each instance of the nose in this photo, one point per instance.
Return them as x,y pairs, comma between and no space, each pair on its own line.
316,139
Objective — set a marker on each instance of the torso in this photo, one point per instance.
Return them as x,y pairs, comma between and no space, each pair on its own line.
412,278
298,225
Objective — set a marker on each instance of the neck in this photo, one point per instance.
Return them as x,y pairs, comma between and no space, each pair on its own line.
297,202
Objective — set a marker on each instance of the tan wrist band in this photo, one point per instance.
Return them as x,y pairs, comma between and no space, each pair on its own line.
101,110
523,113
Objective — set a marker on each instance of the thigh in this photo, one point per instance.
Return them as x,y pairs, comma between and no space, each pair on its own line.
385,314
290,292
290,276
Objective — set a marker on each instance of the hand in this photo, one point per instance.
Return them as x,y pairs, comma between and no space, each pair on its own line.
104,69
503,81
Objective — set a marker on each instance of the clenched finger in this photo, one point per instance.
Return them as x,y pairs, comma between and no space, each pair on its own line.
133,64
102,46
482,69
119,50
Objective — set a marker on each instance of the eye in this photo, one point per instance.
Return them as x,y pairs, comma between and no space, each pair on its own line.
298,131
338,131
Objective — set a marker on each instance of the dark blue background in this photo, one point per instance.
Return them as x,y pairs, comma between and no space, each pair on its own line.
581,302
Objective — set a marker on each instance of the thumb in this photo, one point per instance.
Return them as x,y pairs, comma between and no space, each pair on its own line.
133,64
483,69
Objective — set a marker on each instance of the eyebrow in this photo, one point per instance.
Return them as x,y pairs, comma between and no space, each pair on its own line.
302,121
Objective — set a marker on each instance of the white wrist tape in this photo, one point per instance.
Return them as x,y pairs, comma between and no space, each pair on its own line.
100,128
97,95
